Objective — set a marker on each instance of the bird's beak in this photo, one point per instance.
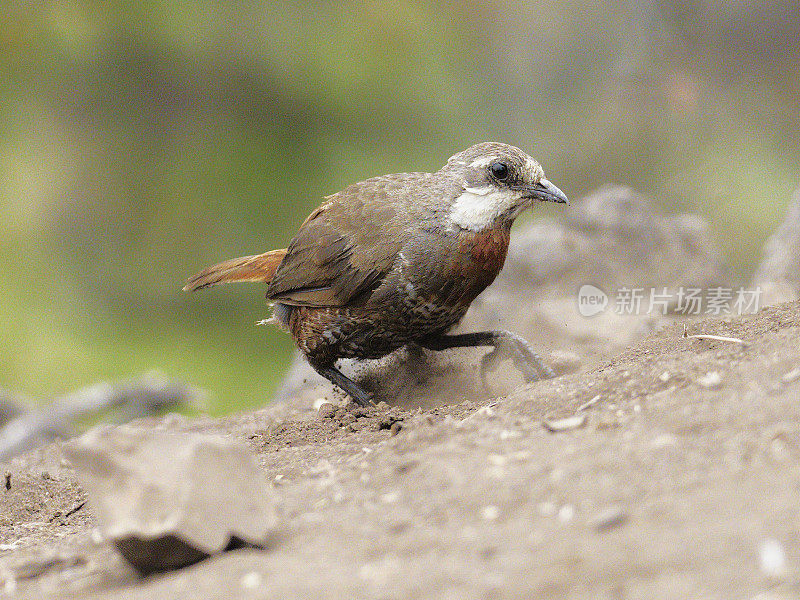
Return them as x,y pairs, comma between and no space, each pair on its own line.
546,192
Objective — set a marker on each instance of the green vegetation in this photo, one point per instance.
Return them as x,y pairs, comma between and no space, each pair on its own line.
143,141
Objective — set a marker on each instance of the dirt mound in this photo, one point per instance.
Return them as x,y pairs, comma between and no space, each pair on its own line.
678,478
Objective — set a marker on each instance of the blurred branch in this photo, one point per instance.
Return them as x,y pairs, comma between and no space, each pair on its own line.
134,398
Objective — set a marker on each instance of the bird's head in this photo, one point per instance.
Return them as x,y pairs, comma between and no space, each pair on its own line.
495,183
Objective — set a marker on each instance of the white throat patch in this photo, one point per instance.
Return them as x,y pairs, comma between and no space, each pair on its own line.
478,208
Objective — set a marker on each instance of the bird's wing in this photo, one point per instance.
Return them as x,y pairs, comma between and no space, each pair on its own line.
342,250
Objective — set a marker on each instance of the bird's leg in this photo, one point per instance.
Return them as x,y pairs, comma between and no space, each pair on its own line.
525,359
359,395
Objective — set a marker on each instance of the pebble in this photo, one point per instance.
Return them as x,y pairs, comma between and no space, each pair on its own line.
251,580
772,558
791,376
589,403
391,497
487,411
566,513
490,513
97,536
611,517
665,440
565,424
711,380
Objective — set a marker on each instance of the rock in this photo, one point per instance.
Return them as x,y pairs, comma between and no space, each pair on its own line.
778,275
772,558
565,424
711,380
609,518
612,238
22,430
167,500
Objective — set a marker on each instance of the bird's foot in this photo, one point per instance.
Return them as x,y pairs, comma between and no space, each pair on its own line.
527,362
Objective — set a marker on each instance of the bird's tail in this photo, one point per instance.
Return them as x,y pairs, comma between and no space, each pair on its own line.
260,267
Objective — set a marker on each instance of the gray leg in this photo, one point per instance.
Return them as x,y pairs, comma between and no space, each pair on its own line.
359,395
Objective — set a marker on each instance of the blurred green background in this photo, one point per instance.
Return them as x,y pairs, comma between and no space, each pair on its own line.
143,141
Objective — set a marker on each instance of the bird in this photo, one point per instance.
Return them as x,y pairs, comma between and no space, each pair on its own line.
396,260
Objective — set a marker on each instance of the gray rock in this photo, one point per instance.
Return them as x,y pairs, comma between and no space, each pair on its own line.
38,424
166,499
778,275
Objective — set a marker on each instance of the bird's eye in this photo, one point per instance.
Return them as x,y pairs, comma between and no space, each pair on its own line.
499,170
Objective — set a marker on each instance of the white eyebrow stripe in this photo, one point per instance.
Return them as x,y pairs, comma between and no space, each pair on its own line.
480,191
484,161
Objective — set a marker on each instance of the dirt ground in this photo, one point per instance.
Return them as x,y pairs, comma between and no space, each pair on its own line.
678,484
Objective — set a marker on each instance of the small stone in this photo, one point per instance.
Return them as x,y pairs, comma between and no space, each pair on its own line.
565,424
490,513
487,411
589,403
326,411
498,460
566,513
779,450
319,403
395,428
391,497
611,517
791,376
711,380
772,558
664,377
665,440
251,580
97,536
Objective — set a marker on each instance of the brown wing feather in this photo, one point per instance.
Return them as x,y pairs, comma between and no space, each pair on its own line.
260,267
341,250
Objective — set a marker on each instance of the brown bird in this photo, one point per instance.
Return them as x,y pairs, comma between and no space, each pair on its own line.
397,260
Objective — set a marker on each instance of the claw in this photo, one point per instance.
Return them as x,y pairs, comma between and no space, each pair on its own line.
528,369
489,362
524,358
534,360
